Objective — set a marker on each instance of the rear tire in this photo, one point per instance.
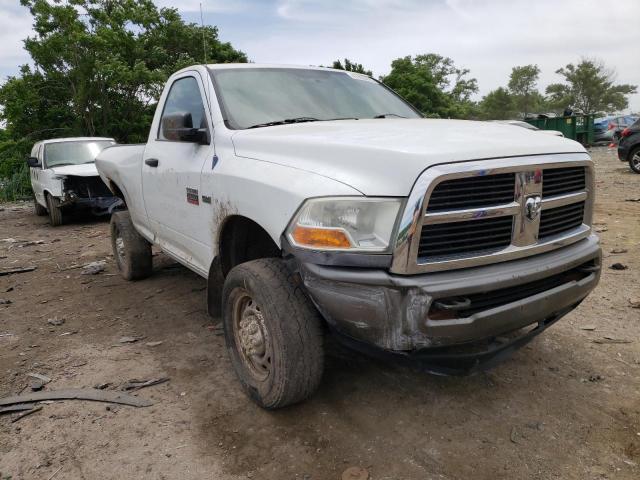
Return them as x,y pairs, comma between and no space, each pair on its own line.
55,211
273,333
38,209
634,159
131,251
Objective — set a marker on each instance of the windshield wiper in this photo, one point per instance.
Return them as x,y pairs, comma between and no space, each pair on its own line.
385,115
61,165
285,122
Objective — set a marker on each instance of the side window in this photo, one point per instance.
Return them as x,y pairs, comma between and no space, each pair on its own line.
184,99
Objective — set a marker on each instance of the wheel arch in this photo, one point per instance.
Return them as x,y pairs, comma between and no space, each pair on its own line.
240,239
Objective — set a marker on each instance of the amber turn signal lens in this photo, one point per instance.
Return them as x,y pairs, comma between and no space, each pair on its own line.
320,237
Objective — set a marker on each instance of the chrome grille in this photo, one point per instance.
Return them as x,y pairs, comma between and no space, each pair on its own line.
558,181
560,219
472,192
467,237
475,213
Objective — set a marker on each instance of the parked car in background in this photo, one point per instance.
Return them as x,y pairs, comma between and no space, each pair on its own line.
629,146
326,202
64,177
604,128
528,126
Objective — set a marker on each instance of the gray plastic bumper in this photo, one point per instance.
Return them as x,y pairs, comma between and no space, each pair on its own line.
392,312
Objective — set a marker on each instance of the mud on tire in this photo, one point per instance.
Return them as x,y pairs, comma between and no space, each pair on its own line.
131,251
273,333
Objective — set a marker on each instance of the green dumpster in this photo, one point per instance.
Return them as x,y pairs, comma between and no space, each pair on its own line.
576,127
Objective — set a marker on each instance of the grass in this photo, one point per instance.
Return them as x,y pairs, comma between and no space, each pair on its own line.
17,186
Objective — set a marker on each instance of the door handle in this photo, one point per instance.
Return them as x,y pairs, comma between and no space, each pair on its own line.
152,162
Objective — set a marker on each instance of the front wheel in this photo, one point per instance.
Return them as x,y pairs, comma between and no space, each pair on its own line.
38,209
634,160
55,211
273,333
132,252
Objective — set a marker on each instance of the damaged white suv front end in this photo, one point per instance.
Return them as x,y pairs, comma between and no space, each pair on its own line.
64,177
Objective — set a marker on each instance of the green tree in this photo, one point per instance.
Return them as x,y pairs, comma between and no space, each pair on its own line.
433,84
590,87
498,105
98,68
523,86
351,67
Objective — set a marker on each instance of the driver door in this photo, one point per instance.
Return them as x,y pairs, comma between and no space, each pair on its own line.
171,170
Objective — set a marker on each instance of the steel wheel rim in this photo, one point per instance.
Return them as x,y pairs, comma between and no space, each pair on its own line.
251,336
635,160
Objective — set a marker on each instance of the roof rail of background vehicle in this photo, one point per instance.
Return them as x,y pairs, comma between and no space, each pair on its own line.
224,66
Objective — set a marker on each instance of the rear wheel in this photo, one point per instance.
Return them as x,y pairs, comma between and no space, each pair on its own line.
273,333
38,209
634,159
131,251
55,211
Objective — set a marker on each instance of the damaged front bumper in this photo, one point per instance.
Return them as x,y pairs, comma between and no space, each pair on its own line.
97,205
89,193
454,320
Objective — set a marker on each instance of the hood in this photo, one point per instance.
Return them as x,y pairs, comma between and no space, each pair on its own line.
385,156
82,170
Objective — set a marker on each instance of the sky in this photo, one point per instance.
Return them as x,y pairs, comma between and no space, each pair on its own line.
488,37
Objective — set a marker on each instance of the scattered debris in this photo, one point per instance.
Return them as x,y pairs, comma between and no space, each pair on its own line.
617,251
13,271
25,414
634,302
73,332
92,394
601,229
31,243
135,384
102,386
6,335
55,321
154,344
618,266
4,301
129,339
606,340
94,268
19,407
595,378
514,436
632,199
38,381
588,327
355,473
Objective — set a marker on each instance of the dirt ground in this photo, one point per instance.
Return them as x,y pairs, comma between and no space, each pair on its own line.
563,407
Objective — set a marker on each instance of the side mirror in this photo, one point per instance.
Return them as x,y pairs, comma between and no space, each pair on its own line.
33,162
178,127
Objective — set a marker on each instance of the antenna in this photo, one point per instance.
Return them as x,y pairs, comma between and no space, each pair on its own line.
204,39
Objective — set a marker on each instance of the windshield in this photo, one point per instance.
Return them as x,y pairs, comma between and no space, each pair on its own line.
251,97
73,153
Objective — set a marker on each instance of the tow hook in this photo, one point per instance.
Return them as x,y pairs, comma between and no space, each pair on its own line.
453,303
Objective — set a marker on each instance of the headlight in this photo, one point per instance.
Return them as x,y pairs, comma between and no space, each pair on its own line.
342,223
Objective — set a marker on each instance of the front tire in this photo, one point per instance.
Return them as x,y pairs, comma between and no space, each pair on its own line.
55,211
131,251
273,333
634,160
38,209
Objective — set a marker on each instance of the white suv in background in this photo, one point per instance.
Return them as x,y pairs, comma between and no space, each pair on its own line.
64,177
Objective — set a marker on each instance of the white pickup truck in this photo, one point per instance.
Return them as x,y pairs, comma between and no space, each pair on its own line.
64,177
314,199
